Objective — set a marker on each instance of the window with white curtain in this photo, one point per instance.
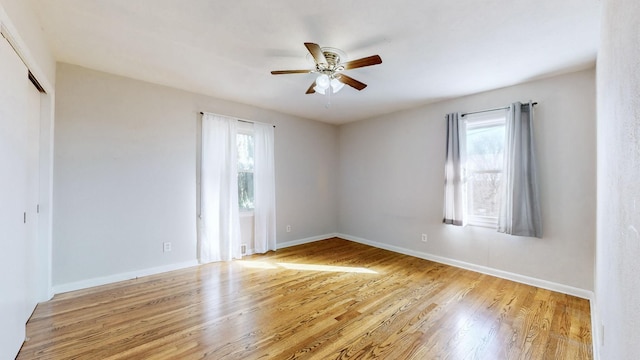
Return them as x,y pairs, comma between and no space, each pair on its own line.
237,171
483,149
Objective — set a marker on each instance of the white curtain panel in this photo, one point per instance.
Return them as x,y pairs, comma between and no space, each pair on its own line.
264,189
520,205
454,198
219,222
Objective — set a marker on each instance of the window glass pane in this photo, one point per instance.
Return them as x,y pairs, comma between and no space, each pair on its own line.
245,152
484,194
245,190
485,148
245,171
485,156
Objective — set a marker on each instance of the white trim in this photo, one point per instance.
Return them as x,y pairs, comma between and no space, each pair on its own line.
483,221
10,32
62,288
544,284
596,335
306,240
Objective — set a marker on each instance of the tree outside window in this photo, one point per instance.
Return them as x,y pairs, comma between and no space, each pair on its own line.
245,171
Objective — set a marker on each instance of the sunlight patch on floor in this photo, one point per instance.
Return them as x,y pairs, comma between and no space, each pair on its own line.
257,264
305,267
329,268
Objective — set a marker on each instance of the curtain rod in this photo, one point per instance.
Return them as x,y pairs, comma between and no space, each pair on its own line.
500,108
233,117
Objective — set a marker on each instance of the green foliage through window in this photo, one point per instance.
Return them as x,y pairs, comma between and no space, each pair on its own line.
245,171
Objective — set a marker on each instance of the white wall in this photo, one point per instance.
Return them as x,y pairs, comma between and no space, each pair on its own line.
125,175
618,241
392,172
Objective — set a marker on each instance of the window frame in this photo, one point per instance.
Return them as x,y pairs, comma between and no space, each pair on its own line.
471,122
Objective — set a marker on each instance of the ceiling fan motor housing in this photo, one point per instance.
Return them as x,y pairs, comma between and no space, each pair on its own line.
333,62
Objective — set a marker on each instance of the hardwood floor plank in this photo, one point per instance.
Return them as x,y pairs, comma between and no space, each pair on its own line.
331,299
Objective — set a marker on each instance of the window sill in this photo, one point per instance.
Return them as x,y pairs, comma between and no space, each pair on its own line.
489,223
246,213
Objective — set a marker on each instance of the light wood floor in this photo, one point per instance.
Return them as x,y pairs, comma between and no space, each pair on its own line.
331,299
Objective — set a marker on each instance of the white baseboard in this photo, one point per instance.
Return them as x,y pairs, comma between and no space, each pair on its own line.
84,284
305,240
565,289
544,284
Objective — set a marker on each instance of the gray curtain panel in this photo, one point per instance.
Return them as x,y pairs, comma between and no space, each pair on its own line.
453,189
520,205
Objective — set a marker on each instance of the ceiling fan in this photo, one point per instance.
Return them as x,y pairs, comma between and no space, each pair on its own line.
330,68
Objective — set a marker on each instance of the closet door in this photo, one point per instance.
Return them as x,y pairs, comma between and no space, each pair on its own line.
32,113
14,142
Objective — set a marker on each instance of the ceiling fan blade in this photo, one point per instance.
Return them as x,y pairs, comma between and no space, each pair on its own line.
316,52
367,61
282,72
351,81
310,90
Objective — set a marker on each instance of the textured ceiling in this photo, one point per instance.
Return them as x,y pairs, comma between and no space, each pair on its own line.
431,50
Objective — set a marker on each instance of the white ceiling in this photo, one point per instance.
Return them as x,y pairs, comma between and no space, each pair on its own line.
431,49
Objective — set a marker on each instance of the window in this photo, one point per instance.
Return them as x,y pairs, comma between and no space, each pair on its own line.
244,140
484,151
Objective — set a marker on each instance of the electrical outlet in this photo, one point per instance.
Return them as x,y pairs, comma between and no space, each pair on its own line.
288,228
243,249
424,237
166,246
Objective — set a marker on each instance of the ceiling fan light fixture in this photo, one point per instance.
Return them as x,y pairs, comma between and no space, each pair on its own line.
336,85
323,82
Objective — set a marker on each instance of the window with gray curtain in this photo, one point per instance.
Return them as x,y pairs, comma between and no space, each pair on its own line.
514,206
483,145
